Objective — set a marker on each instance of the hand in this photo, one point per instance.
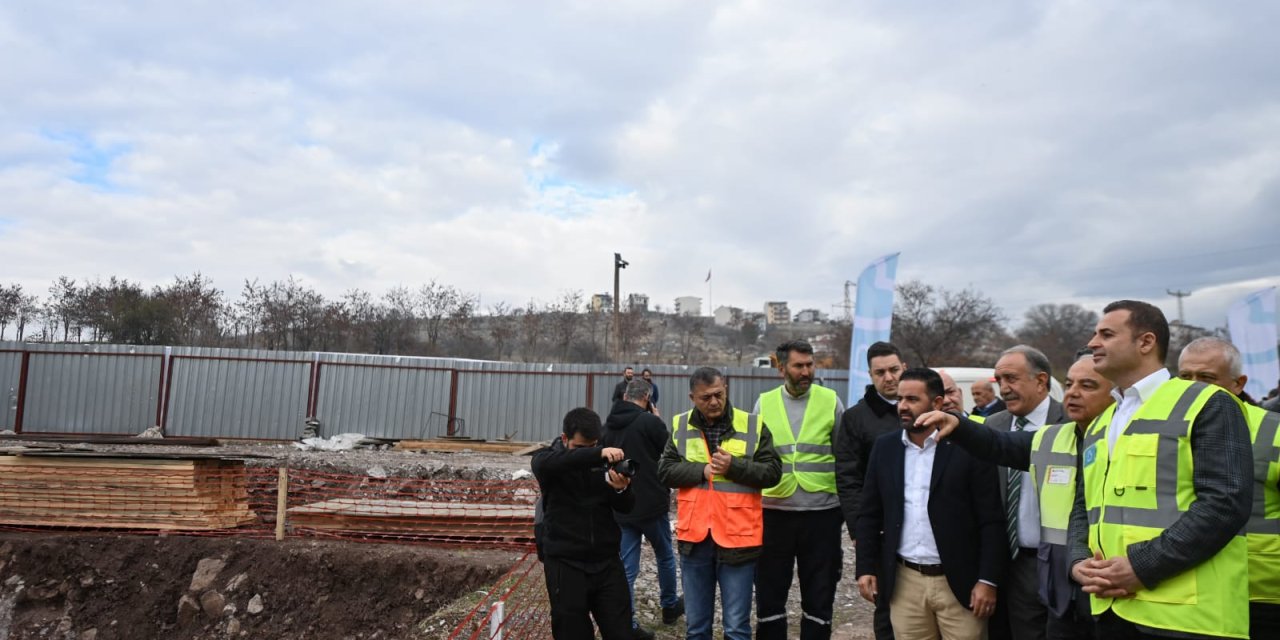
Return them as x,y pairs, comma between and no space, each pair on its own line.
982,600
707,472
867,588
944,422
720,461
617,480
1124,582
1099,576
611,454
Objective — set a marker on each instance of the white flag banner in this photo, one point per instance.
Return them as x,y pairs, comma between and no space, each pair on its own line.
1252,323
872,319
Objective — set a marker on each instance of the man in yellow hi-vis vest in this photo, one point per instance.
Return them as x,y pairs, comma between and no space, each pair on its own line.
1216,361
1051,455
802,516
1164,492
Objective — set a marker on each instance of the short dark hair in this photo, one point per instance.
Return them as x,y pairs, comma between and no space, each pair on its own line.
799,346
881,349
1082,352
932,381
704,376
637,389
646,370
1145,317
584,421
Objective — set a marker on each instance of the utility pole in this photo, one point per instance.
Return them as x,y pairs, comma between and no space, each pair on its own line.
618,265
848,302
1179,295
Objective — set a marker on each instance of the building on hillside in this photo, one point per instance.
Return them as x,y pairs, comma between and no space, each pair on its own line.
811,315
688,306
777,313
601,302
637,302
728,316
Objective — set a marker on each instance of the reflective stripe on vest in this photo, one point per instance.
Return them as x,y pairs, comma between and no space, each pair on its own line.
1140,489
1053,470
808,461
1263,530
733,514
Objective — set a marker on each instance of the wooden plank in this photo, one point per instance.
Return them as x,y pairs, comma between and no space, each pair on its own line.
455,446
413,509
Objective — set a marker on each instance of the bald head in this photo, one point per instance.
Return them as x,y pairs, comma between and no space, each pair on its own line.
983,393
1213,361
952,397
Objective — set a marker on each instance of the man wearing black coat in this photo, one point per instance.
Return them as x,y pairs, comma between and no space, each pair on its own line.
578,537
876,414
643,436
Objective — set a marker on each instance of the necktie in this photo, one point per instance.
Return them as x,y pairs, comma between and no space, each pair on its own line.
1013,496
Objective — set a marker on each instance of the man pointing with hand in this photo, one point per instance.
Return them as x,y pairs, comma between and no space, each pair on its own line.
720,458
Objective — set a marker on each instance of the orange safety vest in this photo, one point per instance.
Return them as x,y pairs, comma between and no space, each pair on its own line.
732,513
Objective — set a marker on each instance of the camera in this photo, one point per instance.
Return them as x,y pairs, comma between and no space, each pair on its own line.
625,467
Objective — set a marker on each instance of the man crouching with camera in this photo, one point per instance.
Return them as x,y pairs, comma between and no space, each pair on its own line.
578,538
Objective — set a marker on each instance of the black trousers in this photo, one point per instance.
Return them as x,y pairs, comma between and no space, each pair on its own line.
1264,621
1076,624
577,596
1113,627
808,541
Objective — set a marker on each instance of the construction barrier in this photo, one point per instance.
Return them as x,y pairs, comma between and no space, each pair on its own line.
515,609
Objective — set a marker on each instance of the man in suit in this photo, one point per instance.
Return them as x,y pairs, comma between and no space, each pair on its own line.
1051,456
1023,374
930,529
1165,488
985,402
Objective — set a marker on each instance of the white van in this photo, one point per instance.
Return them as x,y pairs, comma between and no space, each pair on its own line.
966,376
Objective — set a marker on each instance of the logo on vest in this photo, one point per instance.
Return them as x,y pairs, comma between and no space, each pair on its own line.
1091,454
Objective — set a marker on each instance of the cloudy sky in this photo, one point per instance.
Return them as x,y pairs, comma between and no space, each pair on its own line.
1035,151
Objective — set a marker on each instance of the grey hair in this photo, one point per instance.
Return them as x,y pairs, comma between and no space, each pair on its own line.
1036,360
1235,363
637,389
704,376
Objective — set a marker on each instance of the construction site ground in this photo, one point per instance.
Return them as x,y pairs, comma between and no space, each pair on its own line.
101,585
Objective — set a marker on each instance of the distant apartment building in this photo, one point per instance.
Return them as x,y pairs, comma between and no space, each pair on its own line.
777,313
726,316
688,306
601,302
811,315
637,302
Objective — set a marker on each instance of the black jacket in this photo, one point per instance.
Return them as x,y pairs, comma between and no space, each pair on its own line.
964,512
859,427
577,504
642,436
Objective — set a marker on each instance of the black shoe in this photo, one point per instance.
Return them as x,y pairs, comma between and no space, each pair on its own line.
671,614
641,633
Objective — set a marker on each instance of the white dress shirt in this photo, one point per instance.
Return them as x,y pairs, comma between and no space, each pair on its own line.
1128,403
1029,503
917,544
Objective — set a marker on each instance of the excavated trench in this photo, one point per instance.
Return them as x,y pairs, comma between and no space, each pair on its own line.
101,587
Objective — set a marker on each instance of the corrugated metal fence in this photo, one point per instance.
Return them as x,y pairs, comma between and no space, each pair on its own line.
241,393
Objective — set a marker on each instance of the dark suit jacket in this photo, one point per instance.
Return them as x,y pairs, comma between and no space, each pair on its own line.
964,512
995,408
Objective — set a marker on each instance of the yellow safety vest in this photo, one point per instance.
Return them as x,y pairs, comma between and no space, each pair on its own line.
807,461
732,513
1263,530
1140,489
977,418
1053,470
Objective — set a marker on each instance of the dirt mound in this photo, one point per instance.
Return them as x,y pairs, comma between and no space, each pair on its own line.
100,587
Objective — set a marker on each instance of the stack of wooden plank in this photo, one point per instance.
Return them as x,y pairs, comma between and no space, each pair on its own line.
458,445
77,490
417,517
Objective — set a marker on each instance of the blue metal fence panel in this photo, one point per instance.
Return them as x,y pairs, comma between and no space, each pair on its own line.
91,392
10,378
226,398
526,406
383,400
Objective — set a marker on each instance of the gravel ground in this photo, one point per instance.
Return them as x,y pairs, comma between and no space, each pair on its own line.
853,615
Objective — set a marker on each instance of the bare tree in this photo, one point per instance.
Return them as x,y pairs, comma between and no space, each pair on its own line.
564,318
746,333
690,330
502,328
532,323
61,307
935,326
1059,330
635,328
195,308
10,300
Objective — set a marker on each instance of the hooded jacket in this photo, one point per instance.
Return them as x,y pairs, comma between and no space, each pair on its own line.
642,436
577,504
859,427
